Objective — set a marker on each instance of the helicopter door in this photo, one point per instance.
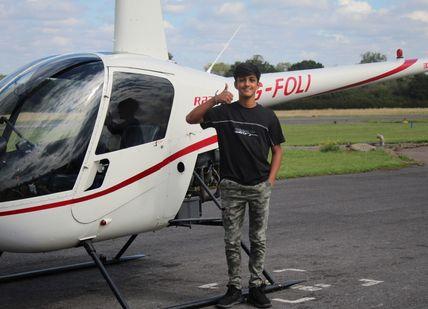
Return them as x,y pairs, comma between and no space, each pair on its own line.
125,169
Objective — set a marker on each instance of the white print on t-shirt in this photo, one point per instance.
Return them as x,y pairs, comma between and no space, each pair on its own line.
245,132
240,122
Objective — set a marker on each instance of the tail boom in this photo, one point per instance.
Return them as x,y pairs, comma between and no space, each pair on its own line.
282,87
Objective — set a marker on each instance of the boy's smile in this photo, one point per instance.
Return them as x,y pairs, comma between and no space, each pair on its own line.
247,86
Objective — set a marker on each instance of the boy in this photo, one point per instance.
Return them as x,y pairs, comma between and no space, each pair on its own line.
246,131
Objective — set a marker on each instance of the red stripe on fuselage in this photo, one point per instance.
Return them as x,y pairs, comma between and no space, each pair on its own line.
402,67
189,149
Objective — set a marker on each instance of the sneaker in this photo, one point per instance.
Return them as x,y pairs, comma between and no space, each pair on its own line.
232,297
257,298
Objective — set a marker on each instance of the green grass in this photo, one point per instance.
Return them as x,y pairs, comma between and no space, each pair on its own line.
298,163
314,134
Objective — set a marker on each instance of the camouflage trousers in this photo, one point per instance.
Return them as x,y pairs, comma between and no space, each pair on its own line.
234,198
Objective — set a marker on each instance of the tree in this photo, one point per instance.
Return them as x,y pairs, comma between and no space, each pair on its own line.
370,57
305,65
263,66
258,61
418,87
219,68
282,66
1,76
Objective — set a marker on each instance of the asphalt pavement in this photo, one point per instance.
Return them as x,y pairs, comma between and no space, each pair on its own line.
358,241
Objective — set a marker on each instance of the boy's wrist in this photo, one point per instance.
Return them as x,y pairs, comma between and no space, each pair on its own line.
214,101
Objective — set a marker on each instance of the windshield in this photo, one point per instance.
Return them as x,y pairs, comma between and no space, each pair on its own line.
8,78
47,114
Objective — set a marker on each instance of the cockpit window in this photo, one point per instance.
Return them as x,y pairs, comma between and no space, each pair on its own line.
47,115
138,113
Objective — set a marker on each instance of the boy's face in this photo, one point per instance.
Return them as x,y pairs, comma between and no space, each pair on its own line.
247,86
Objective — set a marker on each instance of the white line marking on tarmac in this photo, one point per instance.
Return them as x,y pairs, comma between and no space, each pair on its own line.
288,269
369,282
322,285
297,301
210,286
307,288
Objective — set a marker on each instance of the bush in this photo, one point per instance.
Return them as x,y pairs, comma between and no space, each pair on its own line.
329,146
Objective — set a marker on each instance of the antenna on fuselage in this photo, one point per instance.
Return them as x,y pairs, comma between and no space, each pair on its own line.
225,47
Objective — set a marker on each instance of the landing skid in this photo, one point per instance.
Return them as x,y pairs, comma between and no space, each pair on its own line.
118,258
99,261
213,300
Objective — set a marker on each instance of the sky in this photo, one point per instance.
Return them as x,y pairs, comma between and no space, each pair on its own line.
333,32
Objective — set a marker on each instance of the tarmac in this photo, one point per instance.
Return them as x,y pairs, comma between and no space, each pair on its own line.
358,241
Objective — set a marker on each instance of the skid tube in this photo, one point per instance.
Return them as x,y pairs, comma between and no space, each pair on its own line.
117,259
270,288
213,300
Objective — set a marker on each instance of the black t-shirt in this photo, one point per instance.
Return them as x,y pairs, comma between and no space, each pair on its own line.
245,136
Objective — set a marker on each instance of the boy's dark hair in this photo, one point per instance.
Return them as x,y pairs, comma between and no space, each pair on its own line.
245,69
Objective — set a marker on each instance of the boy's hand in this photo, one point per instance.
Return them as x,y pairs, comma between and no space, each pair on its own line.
224,97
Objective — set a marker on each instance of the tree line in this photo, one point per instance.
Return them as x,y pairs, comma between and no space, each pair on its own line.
404,92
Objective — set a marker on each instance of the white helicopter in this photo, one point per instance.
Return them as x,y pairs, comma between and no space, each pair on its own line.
95,146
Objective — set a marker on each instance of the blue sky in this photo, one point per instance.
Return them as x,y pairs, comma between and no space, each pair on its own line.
333,32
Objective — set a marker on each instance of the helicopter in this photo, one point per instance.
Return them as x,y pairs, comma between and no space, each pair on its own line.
95,146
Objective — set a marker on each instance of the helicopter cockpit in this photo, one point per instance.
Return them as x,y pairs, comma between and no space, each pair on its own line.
47,114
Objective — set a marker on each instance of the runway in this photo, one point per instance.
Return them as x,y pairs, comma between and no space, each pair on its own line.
358,241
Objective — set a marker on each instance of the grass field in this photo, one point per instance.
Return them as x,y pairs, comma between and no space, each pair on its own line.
393,132
298,163
352,112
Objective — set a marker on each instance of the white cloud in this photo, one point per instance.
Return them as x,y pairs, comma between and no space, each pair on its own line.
70,21
383,11
107,29
61,41
64,5
174,8
419,16
335,37
319,4
355,8
4,11
232,8
332,32
67,22
50,30
308,55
